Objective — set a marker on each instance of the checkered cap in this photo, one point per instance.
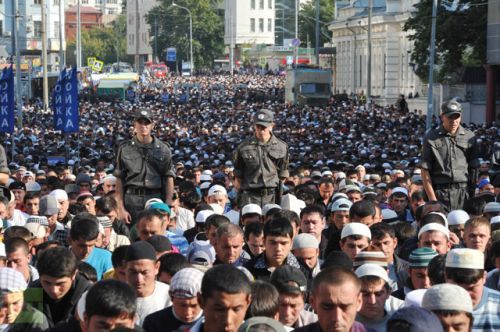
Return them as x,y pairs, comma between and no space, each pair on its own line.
186,283
12,281
42,220
105,221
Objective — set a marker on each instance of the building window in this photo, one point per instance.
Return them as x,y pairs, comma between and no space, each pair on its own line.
269,25
261,25
1,26
37,2
261,4
38,29
85,2
252,4
131,19
56,2
270,4
252,25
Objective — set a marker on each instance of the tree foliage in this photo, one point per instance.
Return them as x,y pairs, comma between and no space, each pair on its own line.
173,30
307,21
460,37
107,44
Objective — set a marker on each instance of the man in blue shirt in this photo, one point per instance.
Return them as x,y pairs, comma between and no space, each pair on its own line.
82,239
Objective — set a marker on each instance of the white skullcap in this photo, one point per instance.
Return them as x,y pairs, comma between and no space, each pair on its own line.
447,297
457,217
355,228
433,226
59,194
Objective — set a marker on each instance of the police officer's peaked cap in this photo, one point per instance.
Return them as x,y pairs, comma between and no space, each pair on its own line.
264,118
450,108
143,113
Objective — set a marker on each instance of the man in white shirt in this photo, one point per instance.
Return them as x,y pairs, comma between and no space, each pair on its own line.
142,269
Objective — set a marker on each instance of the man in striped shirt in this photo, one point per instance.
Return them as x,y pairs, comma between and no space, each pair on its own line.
465,268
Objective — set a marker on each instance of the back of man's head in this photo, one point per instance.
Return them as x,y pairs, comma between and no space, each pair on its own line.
84,227
216,220
278,227
15,243
110,298
225,279
335,276
362,209
57,262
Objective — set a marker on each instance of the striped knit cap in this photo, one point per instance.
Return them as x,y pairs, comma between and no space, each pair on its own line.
421,257
372,255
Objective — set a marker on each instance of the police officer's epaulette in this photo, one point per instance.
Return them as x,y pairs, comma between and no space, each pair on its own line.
280,140
122,143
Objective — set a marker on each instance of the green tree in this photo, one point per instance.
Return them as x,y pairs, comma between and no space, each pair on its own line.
173,30
107,44
460,37
307,21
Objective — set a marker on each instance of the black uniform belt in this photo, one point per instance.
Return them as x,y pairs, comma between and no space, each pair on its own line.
261,191
457,185
142,191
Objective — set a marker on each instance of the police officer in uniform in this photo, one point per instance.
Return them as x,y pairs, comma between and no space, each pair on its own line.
448,159
260,163
144,169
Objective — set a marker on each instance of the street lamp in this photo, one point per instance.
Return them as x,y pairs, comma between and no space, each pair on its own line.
190,35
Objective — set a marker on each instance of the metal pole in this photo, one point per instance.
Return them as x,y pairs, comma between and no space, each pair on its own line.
369,62
317,33
62,62
430,101
78,37
156,40
19,93
295,49
191,41
137,39
44,59
231,42
190,36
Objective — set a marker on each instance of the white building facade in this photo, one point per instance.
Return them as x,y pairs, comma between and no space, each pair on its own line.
138,29
30,28
107,7
392,72
249,22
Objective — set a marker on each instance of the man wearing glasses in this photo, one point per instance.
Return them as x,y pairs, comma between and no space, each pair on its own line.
260,163
448,156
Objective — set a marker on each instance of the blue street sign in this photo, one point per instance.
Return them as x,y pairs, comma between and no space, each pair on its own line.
171,54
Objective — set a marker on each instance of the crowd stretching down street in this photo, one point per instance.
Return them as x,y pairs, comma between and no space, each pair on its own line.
208,203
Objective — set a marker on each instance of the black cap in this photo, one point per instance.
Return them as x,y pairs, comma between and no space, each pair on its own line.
289,279
337,259
160,243
140,250
264,118
419,319
143,113
17,185
451,108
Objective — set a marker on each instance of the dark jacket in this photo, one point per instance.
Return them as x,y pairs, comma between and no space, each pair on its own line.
63,309
259,269
29,320
165,321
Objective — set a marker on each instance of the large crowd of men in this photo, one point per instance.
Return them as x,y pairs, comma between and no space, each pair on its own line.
209,204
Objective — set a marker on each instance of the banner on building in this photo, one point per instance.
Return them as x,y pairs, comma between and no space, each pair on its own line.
65,102
58,101
7,100
71,117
